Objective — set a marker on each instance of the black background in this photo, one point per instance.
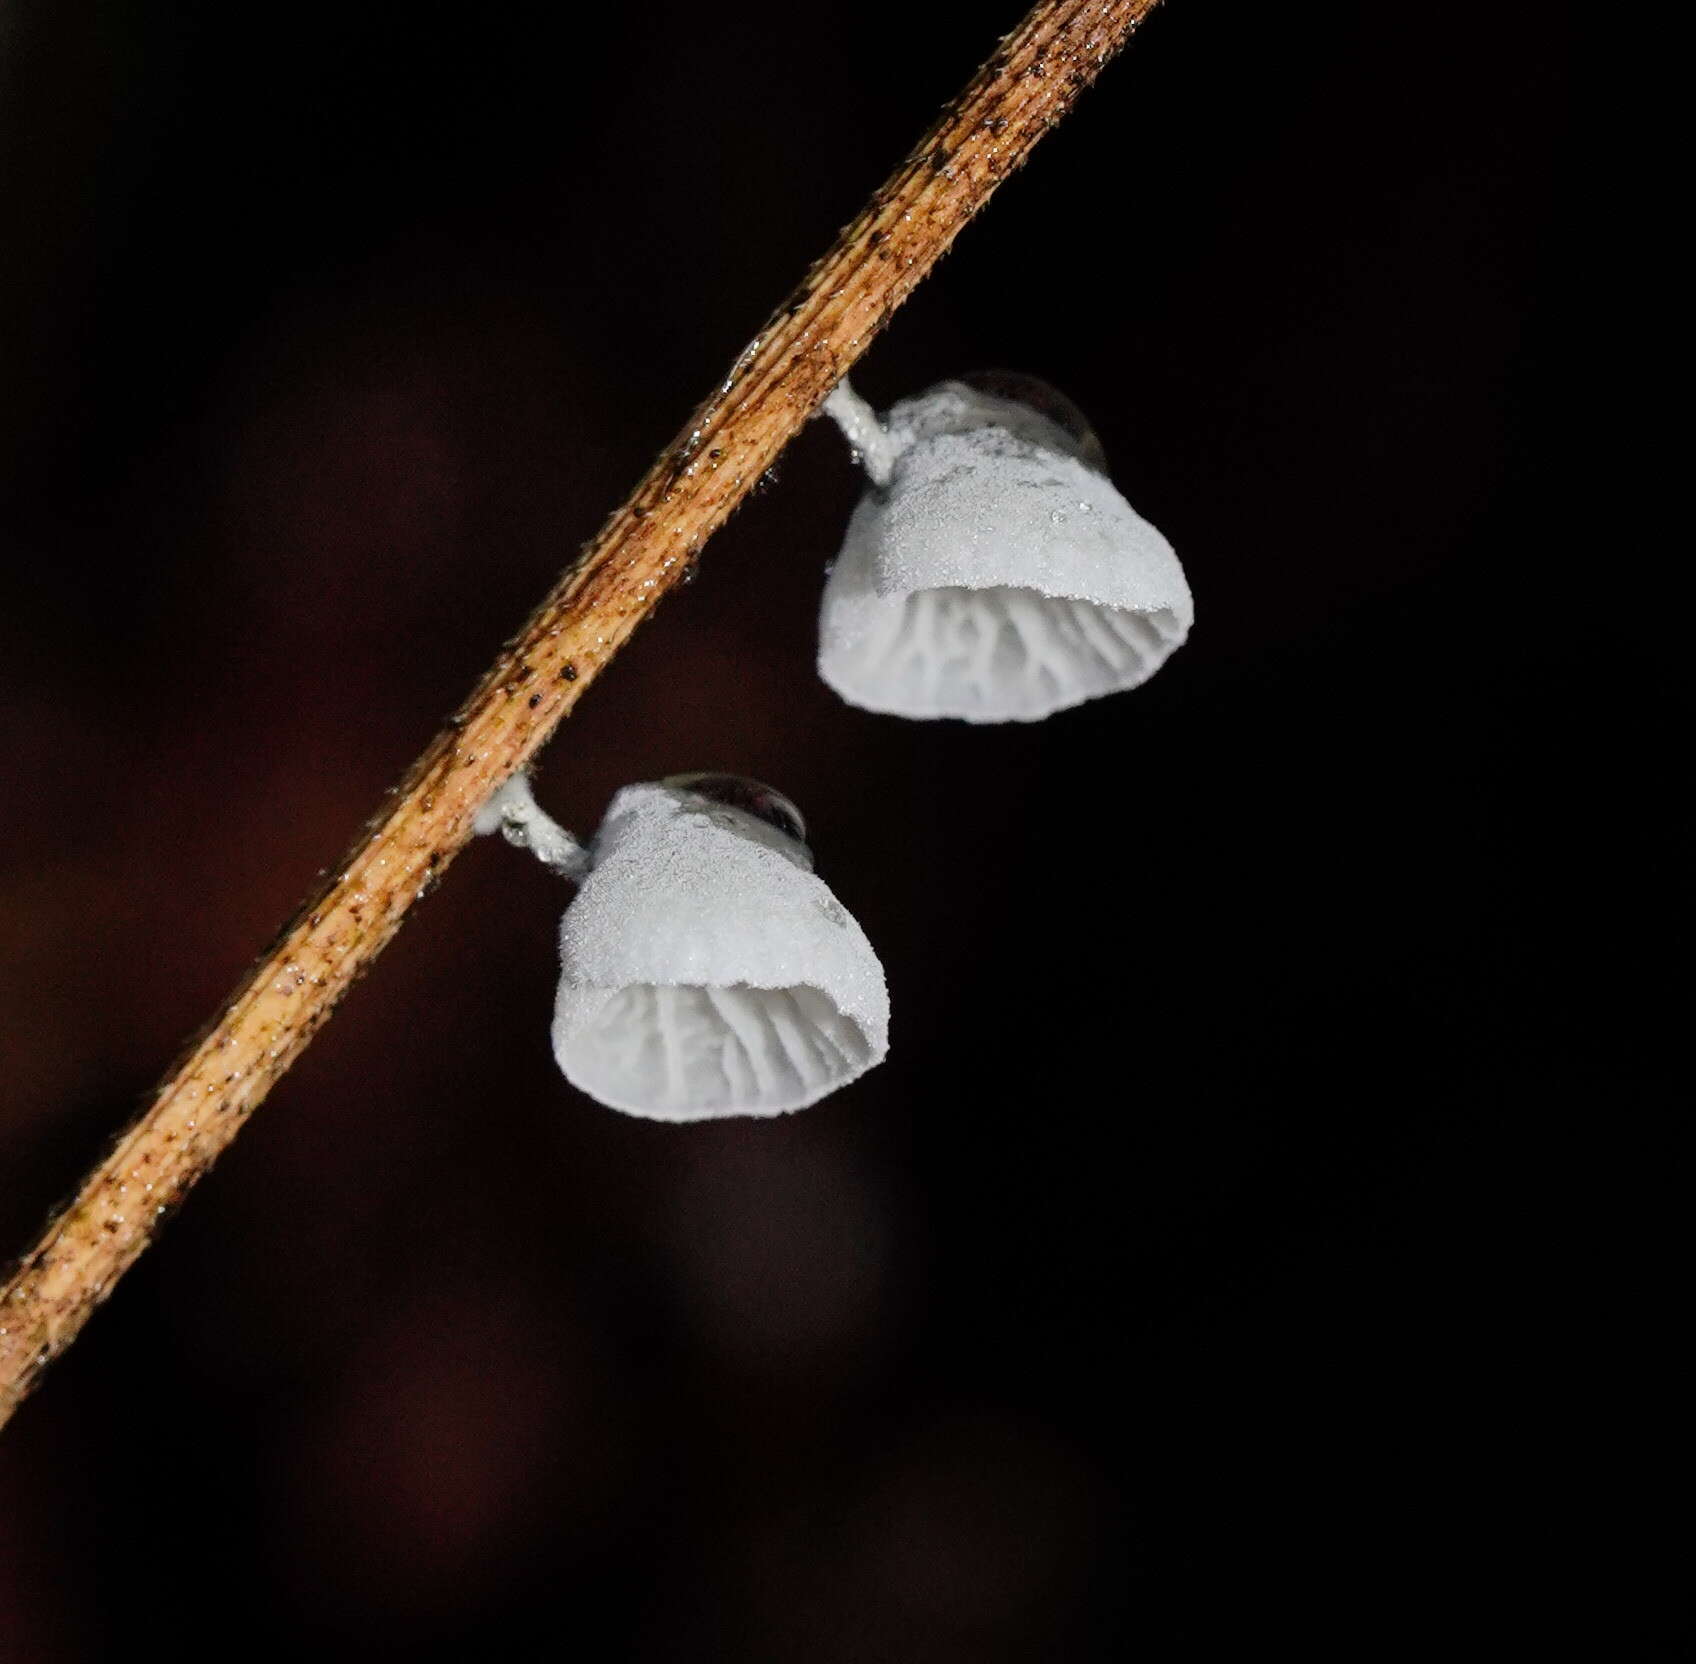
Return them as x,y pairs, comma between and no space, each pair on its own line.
1171,1286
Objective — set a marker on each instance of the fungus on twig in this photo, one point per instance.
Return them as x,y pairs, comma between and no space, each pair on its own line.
991,571
705,970
1031,81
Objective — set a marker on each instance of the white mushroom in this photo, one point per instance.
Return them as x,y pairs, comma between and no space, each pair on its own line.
704,970
992,572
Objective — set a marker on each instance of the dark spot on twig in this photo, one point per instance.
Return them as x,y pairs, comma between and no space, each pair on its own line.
534,700
568,673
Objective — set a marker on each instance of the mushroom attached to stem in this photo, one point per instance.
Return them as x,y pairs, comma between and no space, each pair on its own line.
991,571
705,971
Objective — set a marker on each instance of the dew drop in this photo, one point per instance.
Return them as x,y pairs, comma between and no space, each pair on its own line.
753,797
1047,401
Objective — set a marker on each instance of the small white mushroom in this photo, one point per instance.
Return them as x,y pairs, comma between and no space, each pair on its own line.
705,971
991,571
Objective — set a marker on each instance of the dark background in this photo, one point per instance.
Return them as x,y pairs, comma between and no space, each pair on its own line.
1171,1286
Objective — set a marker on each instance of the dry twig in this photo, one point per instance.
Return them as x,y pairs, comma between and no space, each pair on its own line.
776,384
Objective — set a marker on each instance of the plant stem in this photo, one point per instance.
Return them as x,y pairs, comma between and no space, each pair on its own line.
777,383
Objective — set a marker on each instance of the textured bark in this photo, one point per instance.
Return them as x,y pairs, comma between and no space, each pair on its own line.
646,547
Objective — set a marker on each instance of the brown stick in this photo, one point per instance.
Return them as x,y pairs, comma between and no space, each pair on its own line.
647,545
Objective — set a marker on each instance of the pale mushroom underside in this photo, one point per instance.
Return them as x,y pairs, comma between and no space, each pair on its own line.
991,655
692,1052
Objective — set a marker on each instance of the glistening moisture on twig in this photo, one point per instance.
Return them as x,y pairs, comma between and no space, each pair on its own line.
1021,93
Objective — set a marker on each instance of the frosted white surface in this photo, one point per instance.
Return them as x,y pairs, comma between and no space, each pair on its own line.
706,972
997,577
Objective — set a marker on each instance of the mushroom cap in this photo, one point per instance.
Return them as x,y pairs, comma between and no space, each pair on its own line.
706,972
997,577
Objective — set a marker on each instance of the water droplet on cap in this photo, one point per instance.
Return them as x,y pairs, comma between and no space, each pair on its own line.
1047,400
752,797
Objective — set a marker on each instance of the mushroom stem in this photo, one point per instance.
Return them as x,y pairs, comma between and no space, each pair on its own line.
873,449
514,812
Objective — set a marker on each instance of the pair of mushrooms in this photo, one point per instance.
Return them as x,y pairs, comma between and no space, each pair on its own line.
990,572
